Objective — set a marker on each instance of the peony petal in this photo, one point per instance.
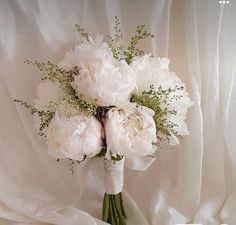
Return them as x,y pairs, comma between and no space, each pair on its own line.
73,137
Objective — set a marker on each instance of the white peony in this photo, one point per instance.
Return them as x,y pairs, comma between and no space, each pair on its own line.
102,79
155,71
74,137
130,131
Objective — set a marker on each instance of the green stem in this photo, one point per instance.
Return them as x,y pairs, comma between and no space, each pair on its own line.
112,197
113,210
111,214
122,205
105,210
119,209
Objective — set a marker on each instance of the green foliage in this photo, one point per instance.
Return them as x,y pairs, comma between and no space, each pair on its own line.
120,51
44,115
82,31
102,152
132,50
155,99
72,163
74,105
54,73
114,42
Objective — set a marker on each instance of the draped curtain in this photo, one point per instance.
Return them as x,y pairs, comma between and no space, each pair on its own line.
193,182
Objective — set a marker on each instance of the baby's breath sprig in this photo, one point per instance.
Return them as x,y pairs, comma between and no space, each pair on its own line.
44,115
73,162
54,73
154,99
114,42
132,51
82,31
119,50
73,103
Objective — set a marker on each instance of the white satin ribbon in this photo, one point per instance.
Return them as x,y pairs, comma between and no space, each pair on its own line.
114,171
114,176
140,163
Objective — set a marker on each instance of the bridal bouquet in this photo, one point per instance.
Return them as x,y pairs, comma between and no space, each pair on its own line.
105,99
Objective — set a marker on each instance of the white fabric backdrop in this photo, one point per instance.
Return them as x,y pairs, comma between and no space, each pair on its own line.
193,182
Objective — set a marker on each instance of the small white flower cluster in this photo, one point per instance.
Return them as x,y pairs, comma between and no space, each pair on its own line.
129,130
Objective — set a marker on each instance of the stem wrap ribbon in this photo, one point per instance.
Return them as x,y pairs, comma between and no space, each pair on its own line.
114,176
114,171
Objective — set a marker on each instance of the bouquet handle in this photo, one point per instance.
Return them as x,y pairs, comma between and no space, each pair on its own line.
113,209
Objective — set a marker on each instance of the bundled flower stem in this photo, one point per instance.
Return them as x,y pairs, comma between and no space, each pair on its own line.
113,210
